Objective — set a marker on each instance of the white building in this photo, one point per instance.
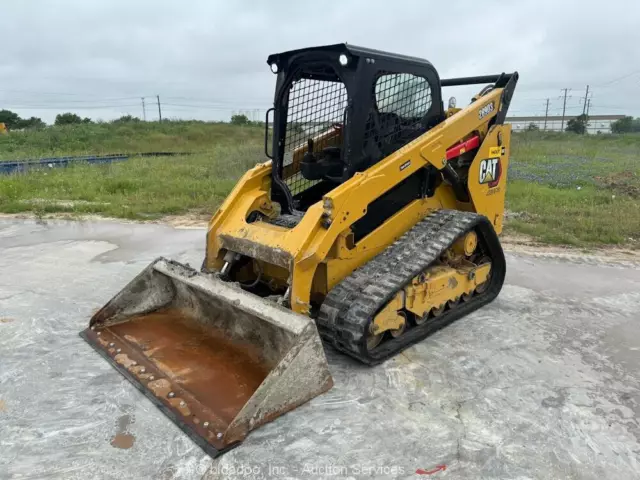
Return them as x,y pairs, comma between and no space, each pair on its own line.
596,124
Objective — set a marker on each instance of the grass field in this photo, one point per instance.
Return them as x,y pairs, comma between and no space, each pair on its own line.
141,187
566,189
130,137
575,190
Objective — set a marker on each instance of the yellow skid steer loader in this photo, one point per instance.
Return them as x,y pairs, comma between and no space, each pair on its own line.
374,223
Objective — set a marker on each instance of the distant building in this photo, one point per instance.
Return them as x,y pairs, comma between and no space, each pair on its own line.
597,123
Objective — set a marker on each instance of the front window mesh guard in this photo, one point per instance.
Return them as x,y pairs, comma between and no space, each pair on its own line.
315,110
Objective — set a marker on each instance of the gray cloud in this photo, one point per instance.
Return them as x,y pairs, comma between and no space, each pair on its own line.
207,58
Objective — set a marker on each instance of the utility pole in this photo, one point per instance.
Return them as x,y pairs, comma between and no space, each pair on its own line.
144,111
586,126
159,108
586,96
546,114
564,107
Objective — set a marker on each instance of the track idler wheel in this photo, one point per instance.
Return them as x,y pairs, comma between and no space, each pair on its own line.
399,331
373,340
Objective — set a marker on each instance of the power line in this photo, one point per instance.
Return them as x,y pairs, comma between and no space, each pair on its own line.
35,92
533,99
214,100
94,102
69,106
205,107
66,102
625,109
618,79
50,107
221,105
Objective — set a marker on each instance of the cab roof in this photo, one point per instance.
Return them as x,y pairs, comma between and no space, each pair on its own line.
353,50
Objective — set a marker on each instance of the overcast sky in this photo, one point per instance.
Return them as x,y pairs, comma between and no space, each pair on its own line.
206,58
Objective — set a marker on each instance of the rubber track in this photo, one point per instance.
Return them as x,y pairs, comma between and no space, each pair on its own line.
350,307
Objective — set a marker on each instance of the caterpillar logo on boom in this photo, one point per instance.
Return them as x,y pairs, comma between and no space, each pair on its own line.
490,171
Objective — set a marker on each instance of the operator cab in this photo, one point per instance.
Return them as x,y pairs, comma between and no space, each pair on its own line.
338,110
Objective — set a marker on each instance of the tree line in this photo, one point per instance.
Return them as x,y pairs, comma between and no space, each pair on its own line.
13,121
626,125
579,125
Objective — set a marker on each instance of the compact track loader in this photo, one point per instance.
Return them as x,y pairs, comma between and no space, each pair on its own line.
374,223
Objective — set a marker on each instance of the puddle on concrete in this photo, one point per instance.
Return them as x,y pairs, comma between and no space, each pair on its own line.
122,438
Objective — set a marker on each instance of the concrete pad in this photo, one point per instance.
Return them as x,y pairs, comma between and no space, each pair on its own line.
542,383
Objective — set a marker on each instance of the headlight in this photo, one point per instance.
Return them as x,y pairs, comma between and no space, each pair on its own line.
452,102
274,67
343,59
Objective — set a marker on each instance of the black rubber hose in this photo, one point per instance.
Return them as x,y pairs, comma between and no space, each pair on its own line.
459,188
256,281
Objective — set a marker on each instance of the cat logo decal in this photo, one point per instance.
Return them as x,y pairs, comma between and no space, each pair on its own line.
490,171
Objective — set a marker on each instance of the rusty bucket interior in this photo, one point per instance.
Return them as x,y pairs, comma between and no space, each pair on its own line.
215,359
